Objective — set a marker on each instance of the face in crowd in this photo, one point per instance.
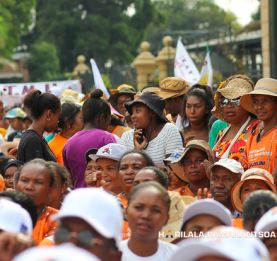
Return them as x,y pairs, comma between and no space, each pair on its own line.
222,181
147,211
265,107
141,116
121,100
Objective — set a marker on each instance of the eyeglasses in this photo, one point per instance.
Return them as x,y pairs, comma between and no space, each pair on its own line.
82,239
224,102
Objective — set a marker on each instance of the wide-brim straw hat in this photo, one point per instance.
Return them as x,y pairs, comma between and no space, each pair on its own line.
250,174
176,165
233,88
264,86
172,87
152,101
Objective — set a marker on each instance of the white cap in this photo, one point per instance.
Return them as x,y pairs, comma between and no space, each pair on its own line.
226,245
14,218
209,207
268,221
112,151
97,207
64,252
230,164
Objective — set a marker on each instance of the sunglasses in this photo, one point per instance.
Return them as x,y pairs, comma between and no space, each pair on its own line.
224,102
83,239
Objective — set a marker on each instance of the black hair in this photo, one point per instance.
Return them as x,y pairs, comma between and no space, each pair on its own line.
42,163
24,201
62,173
95,106
147,158
7,162
69,111
150,184
205,93
116,121
256,205
36,103
161,175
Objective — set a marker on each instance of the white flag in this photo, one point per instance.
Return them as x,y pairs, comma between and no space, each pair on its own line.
206,76
184,66
98,81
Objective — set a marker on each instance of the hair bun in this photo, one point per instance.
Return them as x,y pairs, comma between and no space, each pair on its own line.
96,94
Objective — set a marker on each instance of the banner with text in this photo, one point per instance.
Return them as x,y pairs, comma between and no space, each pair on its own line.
11,93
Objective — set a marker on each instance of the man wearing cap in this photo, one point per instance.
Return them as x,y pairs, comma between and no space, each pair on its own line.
91,219
106,159
224,174
15,117
172,90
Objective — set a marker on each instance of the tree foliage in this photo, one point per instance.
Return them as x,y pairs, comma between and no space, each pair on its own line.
102,29
15,18
192,20
44,62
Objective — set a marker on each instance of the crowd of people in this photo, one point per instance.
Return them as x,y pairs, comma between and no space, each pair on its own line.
173,172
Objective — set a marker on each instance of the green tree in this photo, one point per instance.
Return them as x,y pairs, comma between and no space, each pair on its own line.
193,20
100,29
15,19
44,62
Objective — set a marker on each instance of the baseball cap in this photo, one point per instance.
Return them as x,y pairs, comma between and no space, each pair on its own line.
250,174
64,252
224,242
97,207
112,151
209,207
268,221
15,113
14,218
230,164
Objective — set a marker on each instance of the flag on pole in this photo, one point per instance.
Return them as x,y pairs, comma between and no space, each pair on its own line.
98,81
184,66
206,75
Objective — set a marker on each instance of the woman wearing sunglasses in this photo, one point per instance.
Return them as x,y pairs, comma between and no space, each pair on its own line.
231,141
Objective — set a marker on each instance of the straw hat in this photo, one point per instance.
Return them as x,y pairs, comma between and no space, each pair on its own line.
176,165
171,87
233,88
264,86
251,174
176,210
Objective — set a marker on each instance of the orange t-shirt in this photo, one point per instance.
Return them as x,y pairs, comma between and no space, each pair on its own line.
2,183
125,227
261,152
119,130
45,226
56,145
237,222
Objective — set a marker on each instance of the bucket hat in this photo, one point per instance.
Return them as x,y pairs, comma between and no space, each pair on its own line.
171,87
264,86
250,174
152,101
176,165
232,88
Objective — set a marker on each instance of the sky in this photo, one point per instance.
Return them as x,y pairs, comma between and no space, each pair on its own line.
241,8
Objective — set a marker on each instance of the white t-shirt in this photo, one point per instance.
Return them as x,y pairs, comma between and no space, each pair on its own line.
165,250
168,140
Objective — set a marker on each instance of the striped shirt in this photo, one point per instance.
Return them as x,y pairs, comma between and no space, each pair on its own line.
167,141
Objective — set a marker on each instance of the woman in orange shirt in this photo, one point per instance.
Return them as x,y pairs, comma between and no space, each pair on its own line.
261,148
70,122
